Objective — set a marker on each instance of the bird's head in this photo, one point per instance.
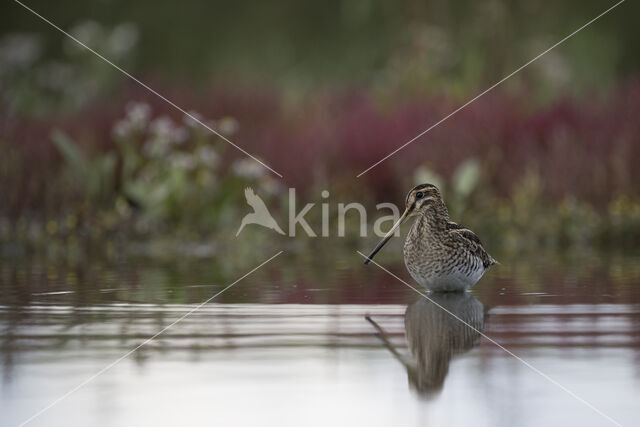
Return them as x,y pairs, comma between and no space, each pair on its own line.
421,197
418,201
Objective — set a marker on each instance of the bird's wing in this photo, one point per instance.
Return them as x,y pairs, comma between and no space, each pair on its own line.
253,200
464,232
473,243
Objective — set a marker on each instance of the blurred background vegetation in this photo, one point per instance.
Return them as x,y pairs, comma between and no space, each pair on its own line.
319,91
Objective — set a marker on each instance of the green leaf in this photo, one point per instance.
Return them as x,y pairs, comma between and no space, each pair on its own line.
70,152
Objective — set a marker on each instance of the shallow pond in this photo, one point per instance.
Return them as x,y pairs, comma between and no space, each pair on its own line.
318,345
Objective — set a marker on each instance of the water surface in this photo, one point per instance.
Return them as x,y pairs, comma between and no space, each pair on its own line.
292,345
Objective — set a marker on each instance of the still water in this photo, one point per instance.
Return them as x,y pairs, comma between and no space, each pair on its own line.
315,345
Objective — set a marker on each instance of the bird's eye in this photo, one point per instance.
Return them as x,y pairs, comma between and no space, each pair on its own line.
419,195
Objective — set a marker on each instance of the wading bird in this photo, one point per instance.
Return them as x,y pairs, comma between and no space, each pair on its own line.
440,255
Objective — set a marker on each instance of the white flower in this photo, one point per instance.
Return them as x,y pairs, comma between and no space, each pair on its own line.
191,119
122,129
248,168
88,32
228,125
183,160
208,156
271,186
123,39
161,129
138,114
179,135
19,50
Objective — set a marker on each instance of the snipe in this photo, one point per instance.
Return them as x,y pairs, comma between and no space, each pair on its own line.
440,255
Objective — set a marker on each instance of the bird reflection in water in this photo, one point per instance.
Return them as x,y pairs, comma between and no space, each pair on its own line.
434,337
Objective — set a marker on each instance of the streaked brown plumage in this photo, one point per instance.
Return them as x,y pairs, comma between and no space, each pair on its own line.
439,254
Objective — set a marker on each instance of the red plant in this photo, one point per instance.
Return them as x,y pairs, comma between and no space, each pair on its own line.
587,147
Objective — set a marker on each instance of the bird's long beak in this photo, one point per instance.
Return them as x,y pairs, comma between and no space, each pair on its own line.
387,236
